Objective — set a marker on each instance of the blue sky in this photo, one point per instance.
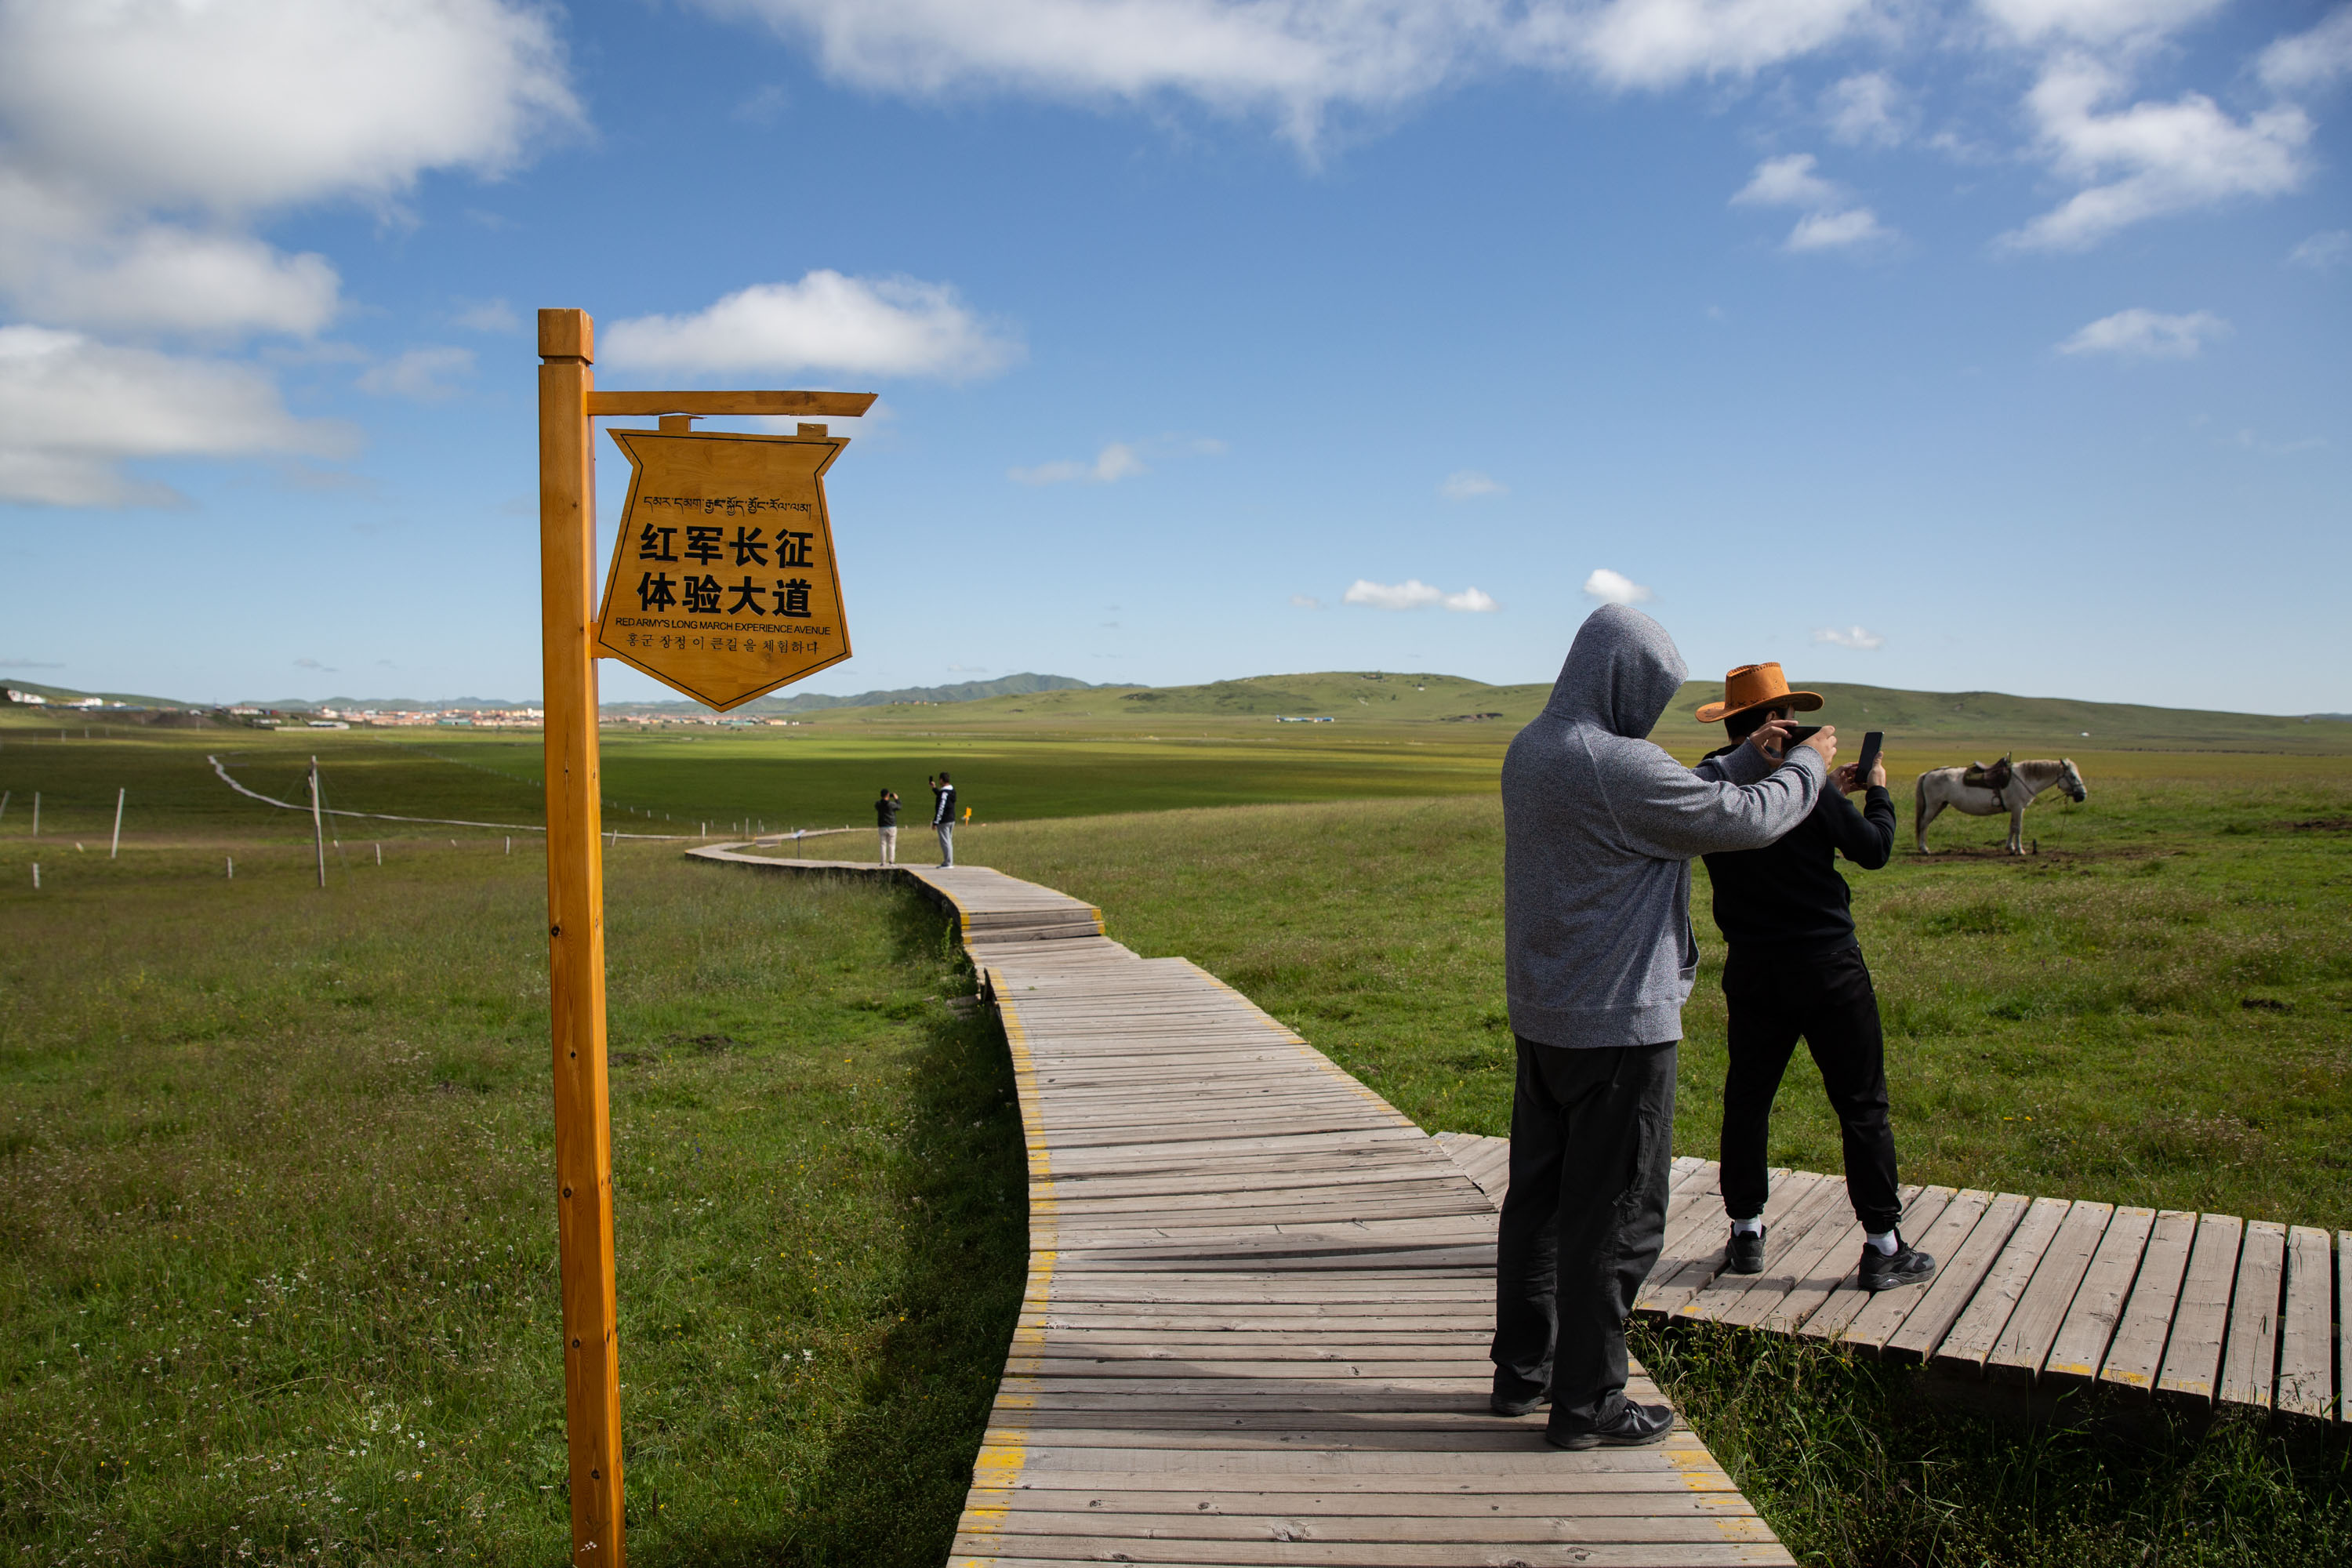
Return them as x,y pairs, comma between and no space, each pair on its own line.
1993,344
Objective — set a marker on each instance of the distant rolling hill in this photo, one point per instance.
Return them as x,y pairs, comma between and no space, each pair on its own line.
1452,704
2040,724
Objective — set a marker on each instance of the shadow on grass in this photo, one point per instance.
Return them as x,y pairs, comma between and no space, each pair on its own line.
898,1462
1853,1462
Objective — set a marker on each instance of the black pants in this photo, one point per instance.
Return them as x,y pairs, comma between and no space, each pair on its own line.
1827,998
1592,1147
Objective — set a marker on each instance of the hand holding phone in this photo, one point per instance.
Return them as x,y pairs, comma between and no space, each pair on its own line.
1871,743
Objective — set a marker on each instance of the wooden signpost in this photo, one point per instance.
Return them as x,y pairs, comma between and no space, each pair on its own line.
696,477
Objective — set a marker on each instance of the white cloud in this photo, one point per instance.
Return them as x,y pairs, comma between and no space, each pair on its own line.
110,113
1787,182
1290,60
1865,110
2147,334
1113,463
493,316
1616,588
1305,602
159,278
2329,248
1287,59
855,326
1832,220
421,374
1660,43
1412,594
241,105
1851,637
74,411
2154,159
141,140
2095,21
1838,230
2310,59
1468,483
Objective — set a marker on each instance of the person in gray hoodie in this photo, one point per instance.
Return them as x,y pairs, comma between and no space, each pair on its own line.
1599,829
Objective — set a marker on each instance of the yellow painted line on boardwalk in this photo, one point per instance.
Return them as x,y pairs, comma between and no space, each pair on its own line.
1004,1449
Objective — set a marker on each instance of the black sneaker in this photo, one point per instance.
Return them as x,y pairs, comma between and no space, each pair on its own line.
1630,1427
1512,1398
1745,1254
1906,1265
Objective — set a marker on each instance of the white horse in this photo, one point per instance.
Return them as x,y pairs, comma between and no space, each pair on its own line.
1940,788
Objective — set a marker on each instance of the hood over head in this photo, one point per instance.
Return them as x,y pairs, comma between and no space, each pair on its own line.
1621,672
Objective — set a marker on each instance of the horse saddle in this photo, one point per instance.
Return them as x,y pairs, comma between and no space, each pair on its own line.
1995,778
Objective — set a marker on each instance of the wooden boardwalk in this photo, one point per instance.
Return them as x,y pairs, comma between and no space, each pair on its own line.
2203,1310
1259,1299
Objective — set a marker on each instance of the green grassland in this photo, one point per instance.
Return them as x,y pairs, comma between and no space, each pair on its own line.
2151,1010
273,1161
277,1240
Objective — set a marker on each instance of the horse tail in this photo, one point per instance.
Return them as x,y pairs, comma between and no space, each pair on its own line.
1919,804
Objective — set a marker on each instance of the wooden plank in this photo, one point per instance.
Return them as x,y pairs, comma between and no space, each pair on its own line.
2250,1357
2306,1342
2081,1347
1884,1315
1803,1198
1310,1555
1792,1287
1955,1281
2136,1353
2025,1340
1831,1318
1979,1327
1222,1525
1501,1489
1694,1255
2192,1354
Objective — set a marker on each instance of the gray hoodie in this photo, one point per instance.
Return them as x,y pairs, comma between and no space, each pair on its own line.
1599,826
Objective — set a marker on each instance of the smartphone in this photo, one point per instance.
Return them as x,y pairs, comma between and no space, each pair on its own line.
1870,741
1798,734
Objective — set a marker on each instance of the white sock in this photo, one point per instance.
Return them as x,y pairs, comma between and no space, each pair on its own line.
1748,1227
1884,1242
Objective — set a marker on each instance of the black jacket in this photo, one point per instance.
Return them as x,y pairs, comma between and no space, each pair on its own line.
1788,896
942,804
885,812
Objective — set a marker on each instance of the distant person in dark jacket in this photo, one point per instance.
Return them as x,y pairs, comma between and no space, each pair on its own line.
885,817
943,815
1599,829
1795,969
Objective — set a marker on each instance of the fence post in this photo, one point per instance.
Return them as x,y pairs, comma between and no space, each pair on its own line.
115,850
317,823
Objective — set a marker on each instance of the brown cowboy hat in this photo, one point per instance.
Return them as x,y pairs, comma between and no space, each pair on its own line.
1757,686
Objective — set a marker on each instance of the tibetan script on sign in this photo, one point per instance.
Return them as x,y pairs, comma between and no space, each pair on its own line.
723,583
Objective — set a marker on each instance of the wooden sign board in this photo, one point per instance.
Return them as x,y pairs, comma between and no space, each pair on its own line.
723,583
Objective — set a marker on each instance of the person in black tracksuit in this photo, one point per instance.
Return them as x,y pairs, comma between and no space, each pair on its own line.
944,816
1794,968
